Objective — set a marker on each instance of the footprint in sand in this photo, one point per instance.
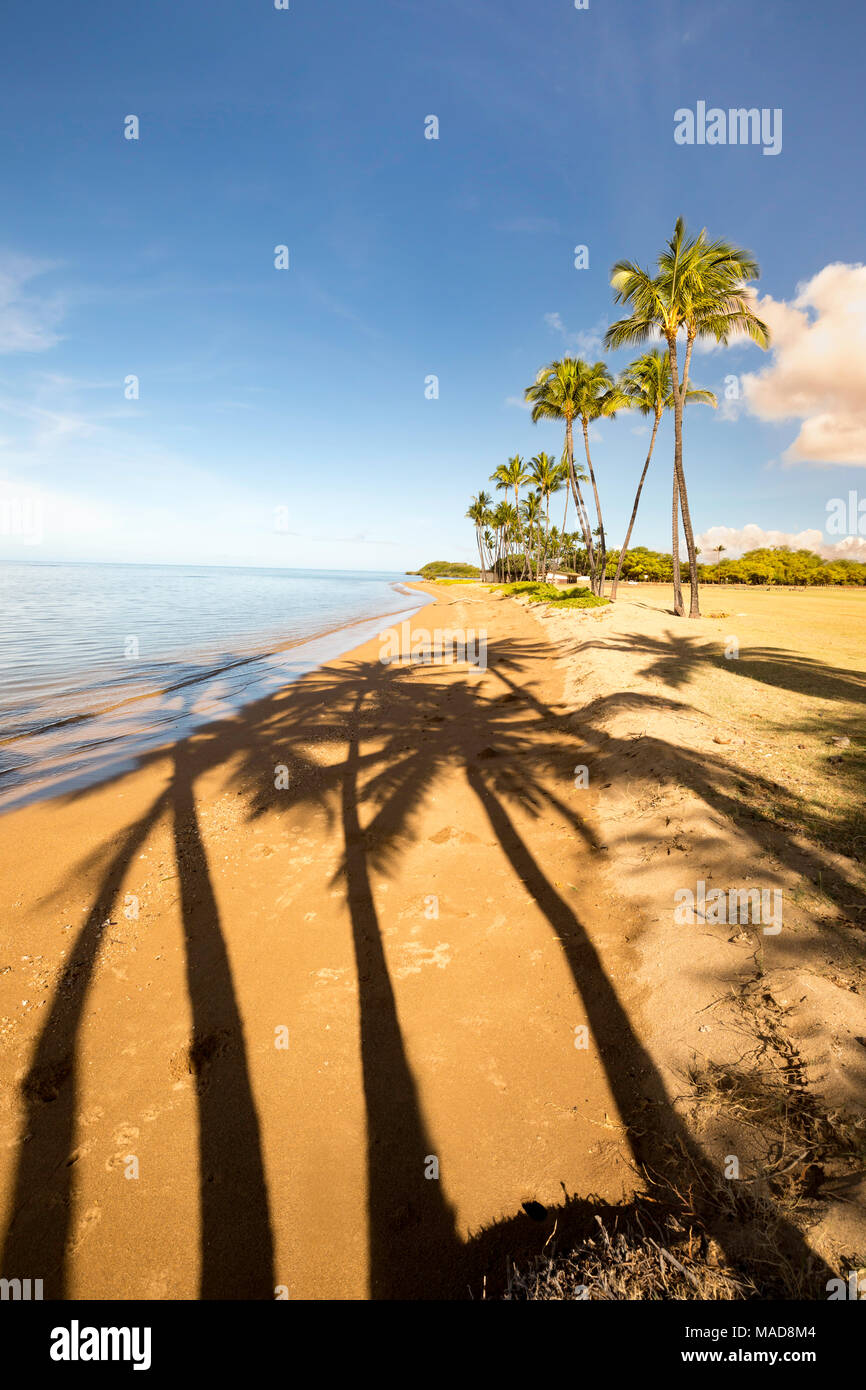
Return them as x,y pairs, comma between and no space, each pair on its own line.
90,1117
83,1227
449,834
126,1134
125,1137
327,977
415,957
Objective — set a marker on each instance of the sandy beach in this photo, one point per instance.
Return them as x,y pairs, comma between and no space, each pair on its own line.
360,992
367,909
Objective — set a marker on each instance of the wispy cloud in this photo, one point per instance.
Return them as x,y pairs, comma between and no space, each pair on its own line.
27,320
586,342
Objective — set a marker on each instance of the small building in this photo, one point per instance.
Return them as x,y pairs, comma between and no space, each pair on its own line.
566,578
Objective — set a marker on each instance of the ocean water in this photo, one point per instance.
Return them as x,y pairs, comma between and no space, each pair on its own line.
100,662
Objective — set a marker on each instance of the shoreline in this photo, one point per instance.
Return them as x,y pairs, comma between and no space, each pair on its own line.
310,651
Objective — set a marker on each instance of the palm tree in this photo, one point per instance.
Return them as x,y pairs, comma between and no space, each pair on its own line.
571,390
489,542
554,539
532,513
503,519
554,396
479,510
718,549
508,475
549,477
645,385
598,399
701,290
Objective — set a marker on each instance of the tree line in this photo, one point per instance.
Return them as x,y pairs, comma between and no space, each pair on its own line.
699,290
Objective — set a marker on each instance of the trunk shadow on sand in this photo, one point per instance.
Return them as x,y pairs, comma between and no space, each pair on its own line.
39,1231
235,1232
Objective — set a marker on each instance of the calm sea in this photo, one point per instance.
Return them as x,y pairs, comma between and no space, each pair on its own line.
100,662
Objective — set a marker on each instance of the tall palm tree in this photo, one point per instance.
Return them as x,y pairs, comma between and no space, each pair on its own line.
571,390
554,396
508,475
478,512
700,290
549,478
645,385
599,399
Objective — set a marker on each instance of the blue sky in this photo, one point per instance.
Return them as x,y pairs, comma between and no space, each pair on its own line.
305,389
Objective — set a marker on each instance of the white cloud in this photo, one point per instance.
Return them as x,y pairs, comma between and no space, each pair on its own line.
737,540
27,321
587,342
818,371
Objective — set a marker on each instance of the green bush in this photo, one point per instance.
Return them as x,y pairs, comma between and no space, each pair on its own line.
577,598
538,592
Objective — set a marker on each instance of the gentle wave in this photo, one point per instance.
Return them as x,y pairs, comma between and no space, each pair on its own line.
74,704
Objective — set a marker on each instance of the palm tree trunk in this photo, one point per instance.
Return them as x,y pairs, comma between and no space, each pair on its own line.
678,454
480,551
546,533
624,551
675,549
694,602
599,585
679,390
578,497
694,599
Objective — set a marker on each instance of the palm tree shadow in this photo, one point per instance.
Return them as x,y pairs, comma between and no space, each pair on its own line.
413,1243
403,1253
38,1234
236,1237
674,657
